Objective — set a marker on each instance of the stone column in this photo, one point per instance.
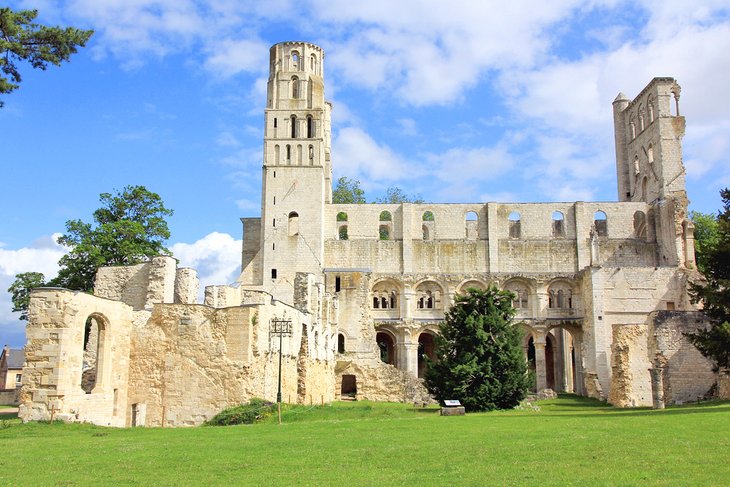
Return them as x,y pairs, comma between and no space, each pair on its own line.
406,310
540,372
657,385
411,356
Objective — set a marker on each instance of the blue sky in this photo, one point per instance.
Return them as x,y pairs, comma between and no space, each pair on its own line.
457,101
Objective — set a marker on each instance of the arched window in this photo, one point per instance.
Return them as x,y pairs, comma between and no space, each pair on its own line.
276,154
429,296
342,216
600,223
520,300
641,118
645,189
636,164
295,61
294,130
632,128
288,155
640,224
385,295
426,349
293,223
384,232
558,224
310,127
313,63
385,216
342,232
93,353
386,344
560,296
650,106
294,87
515,225
311,155
426,232
427,226
428,216
340,343
650,154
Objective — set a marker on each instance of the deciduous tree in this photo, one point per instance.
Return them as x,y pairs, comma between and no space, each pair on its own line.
22,40
479,357
348,191
20,290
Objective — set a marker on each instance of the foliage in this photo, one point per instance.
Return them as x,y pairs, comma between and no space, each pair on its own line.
255,411
130,228
707,236
23,40
714,343
20,290
395,195
428,216
479,358
348,191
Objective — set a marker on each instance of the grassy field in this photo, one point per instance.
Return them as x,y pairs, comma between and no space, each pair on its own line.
569,441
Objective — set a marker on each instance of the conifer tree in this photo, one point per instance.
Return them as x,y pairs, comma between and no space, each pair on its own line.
479,357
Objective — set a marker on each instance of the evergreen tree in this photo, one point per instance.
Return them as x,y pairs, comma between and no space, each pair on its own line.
714,343
479,357
23,40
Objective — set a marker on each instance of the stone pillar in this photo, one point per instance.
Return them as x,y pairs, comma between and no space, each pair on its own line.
569,380
540,372
411,357
657,385
406,310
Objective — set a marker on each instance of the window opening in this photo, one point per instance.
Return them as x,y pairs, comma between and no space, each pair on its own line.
558,224
310,127
515,230
338,284
600,223
293,223
273,273
340,343
428,216
293,126
294,87
342,232
342,216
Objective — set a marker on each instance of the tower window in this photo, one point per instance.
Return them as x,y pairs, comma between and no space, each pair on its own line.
310,127
515,225
338,284
293,223
293,126
275,122
600,223
294,87
273,273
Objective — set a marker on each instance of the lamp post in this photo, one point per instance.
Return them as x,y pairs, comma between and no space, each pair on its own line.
280,327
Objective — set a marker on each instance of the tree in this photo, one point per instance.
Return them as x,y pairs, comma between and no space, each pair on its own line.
130,229
20,290
23,40
479,359
714,293
395,195
348,191
707,236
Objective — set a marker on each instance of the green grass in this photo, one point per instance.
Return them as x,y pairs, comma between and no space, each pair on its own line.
569,441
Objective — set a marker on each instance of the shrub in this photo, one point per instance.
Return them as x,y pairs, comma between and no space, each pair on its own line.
255,411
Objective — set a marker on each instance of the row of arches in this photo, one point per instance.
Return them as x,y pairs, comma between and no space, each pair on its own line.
560,296
297,63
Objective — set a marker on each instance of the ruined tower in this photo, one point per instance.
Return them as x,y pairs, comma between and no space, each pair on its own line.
297,174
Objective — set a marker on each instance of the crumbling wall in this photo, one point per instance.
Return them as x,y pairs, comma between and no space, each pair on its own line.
140,286
630,363
687,374
383,382
54,354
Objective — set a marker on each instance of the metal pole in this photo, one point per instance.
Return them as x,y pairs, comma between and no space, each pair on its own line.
278,393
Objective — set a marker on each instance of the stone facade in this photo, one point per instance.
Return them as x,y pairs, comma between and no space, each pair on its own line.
601,287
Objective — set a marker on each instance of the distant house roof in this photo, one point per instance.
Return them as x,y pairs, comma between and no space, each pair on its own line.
15,357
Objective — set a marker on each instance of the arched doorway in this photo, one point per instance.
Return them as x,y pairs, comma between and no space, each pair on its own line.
426,348
386,345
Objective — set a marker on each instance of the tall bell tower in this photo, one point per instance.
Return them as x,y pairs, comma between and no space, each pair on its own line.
297,173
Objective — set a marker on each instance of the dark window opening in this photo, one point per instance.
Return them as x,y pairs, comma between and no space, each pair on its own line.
273,273
338,284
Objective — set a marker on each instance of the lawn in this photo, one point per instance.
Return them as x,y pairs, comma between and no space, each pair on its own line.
569,441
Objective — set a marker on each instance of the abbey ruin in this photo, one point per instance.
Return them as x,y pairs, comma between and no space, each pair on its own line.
601,287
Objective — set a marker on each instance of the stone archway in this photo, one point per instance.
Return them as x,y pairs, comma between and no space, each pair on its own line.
386,344
426,348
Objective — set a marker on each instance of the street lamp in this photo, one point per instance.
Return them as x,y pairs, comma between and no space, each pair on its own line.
280,327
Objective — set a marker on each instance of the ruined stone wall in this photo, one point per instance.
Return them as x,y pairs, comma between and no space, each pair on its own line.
52,376
142,285
687,374
630,364
190,362
383,382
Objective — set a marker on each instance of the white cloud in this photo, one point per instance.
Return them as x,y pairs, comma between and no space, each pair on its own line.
230,57
216,257
360,157
40,256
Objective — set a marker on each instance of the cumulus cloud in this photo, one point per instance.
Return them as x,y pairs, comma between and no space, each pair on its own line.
361,157
40,256
217,258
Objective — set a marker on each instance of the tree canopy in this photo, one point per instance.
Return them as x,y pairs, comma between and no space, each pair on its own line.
714,293
23,40
129,228
479,357
707,236
394,195
348,191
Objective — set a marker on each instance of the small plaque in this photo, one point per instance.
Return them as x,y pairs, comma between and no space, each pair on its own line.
451,403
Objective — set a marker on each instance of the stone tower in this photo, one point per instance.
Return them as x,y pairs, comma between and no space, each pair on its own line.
297,174
648,133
